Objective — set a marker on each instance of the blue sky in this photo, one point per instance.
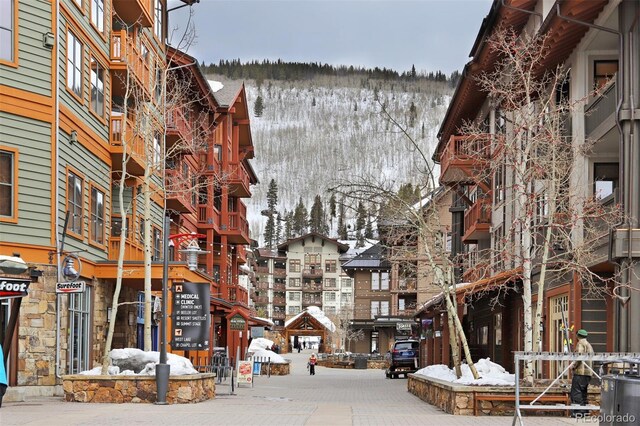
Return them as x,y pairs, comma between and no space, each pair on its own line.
432,34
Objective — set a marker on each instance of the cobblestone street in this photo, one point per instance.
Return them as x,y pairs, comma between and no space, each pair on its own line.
331,397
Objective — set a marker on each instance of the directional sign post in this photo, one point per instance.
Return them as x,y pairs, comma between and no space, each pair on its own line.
191,319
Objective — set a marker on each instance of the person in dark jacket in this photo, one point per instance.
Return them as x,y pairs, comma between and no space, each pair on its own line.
312,364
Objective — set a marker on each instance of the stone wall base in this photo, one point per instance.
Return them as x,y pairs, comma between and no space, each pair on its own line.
137,389
27,393
276,369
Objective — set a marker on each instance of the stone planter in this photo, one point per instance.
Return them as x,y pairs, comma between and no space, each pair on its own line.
276,369
137,389
467,400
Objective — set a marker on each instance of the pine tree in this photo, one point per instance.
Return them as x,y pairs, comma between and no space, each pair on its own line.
270,237
316,217
342,227
313,101
300,219
278,233
413,71
258,107
361,217
332,205
288,225
413,114
368,229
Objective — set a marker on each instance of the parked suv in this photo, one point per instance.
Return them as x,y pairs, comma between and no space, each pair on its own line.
403,358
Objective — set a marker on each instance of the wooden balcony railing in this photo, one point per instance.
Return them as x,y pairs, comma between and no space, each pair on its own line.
278,315
238,180
477,219
133,251
126,55
279,286
312,272
311,287
476,265
279,301
262,269
178,131
124,142
312,301
278,272
178,191
407,284
462,155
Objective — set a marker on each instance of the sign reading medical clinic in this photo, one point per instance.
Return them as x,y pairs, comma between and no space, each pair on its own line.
190,317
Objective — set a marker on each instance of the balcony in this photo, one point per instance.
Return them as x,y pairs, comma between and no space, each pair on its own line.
278,272
237,228
308,301
279,287
463,158
134,11
178,192
279,301
179,133
476,265
126,57
260,300
208,217
262,269
601,110
125,143
312,272
262,285
132,251
278,315
477,221
237,179
406,285
316,287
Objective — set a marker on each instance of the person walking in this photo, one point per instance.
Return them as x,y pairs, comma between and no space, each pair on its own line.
312,364
3,376
581,373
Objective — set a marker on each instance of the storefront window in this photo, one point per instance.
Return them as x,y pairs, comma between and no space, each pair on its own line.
79,331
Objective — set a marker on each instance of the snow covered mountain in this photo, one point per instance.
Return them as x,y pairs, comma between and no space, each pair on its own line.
311,133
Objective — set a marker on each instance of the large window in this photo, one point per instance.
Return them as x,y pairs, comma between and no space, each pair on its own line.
294,265
74,64
7,29
379,281
330,283
158,15
294,282
74,202
97,14
157,244
79,331
97,87
330,296
116,226
603,71
605,177
294,296
330,266
346,282
8,187
97,216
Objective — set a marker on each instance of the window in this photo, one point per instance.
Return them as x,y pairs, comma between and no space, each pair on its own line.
79,331
384,308
8,11
330,266
116,227
345,298
329,310
293,310
157,245
97,14
330,296
97,87
379,307
294,282
375,281
8,187
603,71
74,202
74,64
294,296
194,190
97,216
294,265
375,308
384,281
330,283
312,260
605,177
141,230
157,150
158,14
498,185
346,282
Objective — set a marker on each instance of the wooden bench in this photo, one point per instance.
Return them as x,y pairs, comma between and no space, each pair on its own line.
558,398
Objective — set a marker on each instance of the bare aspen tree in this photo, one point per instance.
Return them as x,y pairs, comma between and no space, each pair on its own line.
553,222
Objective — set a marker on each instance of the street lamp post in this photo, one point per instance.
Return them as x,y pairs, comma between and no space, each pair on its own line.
163,369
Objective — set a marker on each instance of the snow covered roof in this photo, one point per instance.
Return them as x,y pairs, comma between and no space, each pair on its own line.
215,85
226,95
342,248
318,314
372,258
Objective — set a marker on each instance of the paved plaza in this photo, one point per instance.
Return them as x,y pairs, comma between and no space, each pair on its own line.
331,397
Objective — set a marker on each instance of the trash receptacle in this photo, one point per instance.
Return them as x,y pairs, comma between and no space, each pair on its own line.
360,363
619,400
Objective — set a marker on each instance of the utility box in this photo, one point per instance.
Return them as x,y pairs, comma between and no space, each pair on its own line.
619,398
360,363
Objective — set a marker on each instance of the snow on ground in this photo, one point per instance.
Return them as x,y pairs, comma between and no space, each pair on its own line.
491,374
260,347
179,365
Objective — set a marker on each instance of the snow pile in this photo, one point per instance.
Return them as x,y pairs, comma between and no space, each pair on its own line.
129,360
215,85
491,374
261,347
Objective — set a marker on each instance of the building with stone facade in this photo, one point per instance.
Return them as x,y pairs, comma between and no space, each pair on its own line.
90,93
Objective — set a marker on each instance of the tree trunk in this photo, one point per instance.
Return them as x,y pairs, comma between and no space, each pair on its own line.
453,342
462,336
